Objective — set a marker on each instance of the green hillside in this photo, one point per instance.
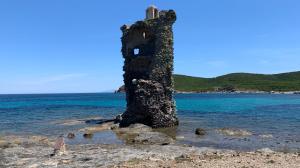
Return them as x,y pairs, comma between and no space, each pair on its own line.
240,81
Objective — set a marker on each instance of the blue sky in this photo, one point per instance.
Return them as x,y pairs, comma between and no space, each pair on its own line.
54,46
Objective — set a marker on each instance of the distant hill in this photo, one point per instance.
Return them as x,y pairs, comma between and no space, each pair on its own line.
240,81
283,82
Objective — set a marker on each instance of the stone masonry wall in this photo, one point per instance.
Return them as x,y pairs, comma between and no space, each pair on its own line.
147,47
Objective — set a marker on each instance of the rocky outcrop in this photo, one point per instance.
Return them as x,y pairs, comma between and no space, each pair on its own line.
147,47
121,89
226,88
200,131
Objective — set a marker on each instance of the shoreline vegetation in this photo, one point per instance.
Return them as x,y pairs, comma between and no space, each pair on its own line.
143,147
284,83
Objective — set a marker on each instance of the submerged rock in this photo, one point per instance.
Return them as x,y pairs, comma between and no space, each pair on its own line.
71,135
234,132
200,131
99,121
142,134
72,122
99,128
88,135
150,138
134,129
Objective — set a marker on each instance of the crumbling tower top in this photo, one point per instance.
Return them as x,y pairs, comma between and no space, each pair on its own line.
152,12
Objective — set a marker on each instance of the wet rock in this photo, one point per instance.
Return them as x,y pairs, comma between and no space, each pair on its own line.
134,129
170,131
129,133
76,121
142,134
98,128
5,144
88,135
71,135
118,118
114,127
200,131
151,138
234,132
99,121
246,139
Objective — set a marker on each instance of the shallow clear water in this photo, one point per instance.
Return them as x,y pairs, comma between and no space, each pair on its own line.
278,115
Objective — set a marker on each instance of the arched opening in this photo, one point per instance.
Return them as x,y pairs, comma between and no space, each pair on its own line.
136,51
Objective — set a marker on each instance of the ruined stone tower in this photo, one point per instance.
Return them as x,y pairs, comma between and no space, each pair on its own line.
147,47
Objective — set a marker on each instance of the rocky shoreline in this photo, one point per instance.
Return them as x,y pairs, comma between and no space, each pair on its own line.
36,152
143,147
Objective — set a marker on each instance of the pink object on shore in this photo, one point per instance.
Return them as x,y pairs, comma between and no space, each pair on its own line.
59,144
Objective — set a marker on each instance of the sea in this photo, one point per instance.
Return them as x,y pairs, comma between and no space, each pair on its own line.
272,119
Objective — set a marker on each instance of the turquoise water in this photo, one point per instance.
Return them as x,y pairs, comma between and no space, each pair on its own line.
278,115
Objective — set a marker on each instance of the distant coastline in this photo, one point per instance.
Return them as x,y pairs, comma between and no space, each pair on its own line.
283,83
238,92
122,90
